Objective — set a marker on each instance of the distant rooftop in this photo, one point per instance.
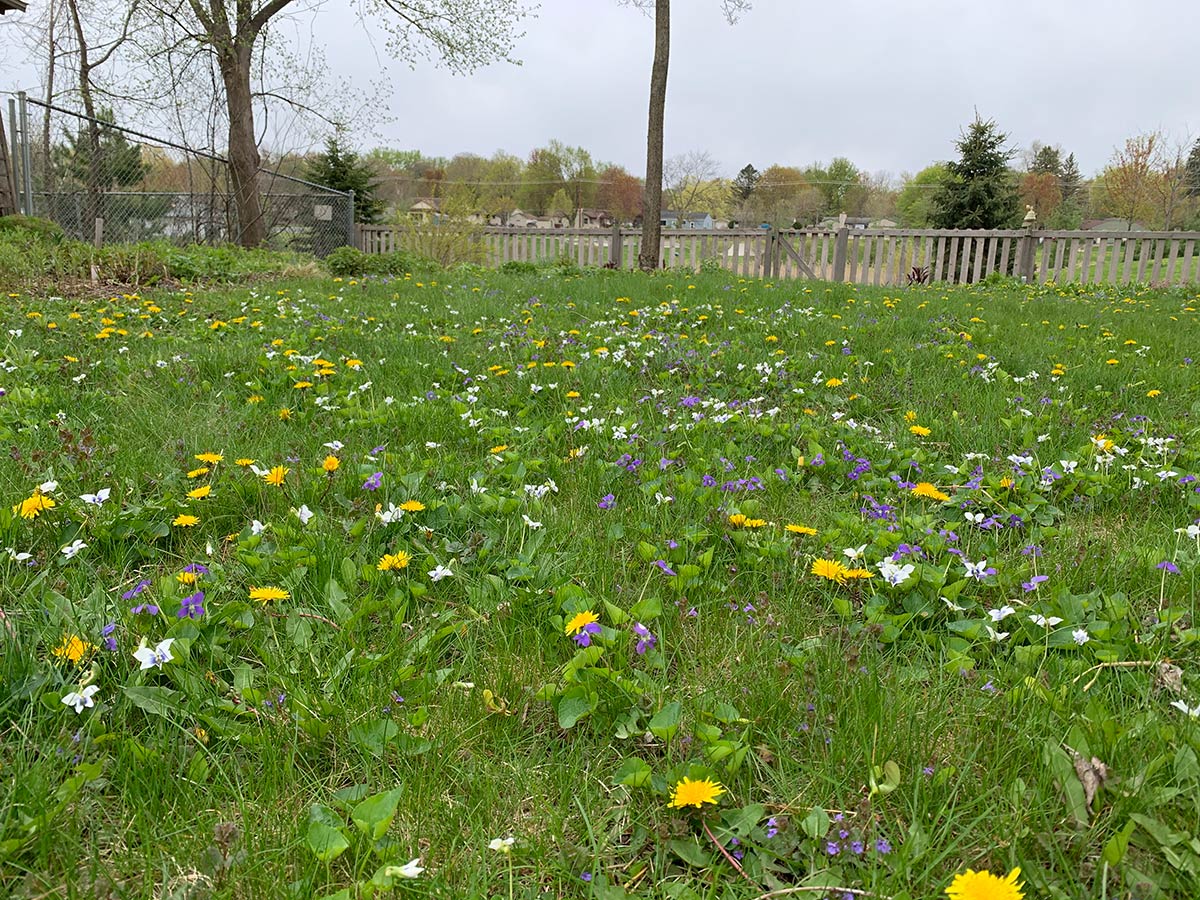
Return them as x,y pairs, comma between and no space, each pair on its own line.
11,6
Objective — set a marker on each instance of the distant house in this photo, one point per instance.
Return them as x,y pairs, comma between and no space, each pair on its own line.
593,218
674,219
425,210
1112,224
518,218
11,6
556,219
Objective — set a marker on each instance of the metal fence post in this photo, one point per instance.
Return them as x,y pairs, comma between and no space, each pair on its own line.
839,254
26,154
18,184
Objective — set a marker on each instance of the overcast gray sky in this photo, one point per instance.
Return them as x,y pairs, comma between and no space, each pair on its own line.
887,84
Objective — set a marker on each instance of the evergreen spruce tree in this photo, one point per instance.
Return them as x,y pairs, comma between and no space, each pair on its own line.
1192,178
1047,161
980,192
1069,214
343,170
744,183
1070,180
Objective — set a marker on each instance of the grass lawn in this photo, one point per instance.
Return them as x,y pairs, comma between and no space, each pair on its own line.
692,587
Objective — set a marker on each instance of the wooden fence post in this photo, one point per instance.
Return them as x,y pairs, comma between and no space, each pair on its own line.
1025,255
614,248
768,268
839,254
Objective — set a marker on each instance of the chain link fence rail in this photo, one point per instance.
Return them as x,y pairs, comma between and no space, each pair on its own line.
105,183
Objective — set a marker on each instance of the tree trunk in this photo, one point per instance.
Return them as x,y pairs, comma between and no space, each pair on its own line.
652,198
93,206
243,148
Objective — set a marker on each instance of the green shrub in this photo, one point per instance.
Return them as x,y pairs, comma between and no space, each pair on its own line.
349,262
37,253
42,229
518,267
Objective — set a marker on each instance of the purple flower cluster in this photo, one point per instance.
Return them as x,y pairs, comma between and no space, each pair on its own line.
373,483
191,607
584,636
646,640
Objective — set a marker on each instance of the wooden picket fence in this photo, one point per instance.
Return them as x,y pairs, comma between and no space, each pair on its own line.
874,256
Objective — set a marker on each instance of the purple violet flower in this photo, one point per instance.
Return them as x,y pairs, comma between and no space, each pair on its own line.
647,640
191,607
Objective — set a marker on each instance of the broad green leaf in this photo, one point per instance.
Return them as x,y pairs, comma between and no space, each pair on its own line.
326,842
690,852
336,598
573,705
646,609
1118,845
374,736
353,794
816,823
158,701
374,815
666,721
634,772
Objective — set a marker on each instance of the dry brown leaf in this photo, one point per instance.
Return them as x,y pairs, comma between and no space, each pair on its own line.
1169,677
1092,774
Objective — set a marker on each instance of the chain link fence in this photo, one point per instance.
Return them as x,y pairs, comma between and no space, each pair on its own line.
104,183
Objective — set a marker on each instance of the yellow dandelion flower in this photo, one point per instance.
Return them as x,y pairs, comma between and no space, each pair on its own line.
211,458
834,382
695,793
267,594
397,560
1006,482
188,578
859,573
971,885
331,464
73,648
910,416
800,529
919,430
276,475
930,492
1153,393
200,493
185,521
196,473
579,621
499,448
32,507
830,569
244,462
301,385
412,506
737,520
285,414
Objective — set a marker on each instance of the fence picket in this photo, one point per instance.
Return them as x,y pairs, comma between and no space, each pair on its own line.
881,257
